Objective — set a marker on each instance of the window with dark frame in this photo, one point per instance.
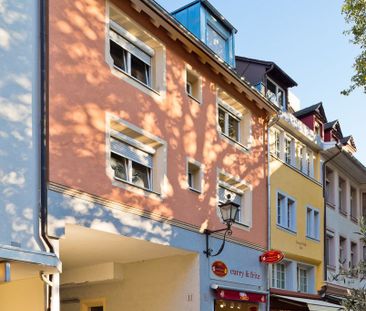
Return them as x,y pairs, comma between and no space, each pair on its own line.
129,58
131,165
194,177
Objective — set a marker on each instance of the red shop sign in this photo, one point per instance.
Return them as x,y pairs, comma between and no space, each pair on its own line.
229,294
219,268
271,257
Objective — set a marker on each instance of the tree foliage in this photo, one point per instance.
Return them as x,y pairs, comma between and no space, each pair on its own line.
354,12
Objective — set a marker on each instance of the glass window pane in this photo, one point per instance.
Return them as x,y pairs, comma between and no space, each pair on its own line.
216,42
140,70
140,175
118,55
281,98
222,120
119,165
99,308
271,92
233,128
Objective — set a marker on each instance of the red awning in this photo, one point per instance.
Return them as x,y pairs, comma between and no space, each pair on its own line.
229,294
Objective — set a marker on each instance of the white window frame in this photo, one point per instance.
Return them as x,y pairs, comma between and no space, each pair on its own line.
197,177
330,249
275,101
283,212
312,223
353,253
196,87
299,279
274,275
241,187
227,115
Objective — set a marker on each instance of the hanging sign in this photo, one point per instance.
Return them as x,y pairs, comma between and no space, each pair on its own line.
219,268
272,256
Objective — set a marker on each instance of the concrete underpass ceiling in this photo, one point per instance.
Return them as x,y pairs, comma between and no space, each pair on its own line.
83,247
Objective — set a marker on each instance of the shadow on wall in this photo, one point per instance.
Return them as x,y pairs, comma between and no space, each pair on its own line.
19,119
83,90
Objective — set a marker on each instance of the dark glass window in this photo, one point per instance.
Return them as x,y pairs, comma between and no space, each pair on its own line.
118,55
140,70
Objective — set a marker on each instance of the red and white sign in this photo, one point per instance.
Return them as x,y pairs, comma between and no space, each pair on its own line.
229,294
219,268
272,256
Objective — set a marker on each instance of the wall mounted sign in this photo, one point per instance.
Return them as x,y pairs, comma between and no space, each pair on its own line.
219,268
271,257
229,294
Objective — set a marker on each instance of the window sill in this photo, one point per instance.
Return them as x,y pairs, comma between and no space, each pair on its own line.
124,182
231,141
195,190
288,230
354,219
128,76
241,225
194,99
313,239
331,267
343,213
331,205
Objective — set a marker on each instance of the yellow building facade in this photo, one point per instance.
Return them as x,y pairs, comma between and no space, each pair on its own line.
296,207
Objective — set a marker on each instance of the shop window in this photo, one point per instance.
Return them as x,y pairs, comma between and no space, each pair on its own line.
279,275
312,223
234,121
194,175
302,279
133,54
239,192
193,85
137,159
286,212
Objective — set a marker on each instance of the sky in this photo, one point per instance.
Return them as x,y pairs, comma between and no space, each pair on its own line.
305,38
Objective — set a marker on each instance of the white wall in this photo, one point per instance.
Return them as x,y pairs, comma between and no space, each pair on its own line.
170,283
19,124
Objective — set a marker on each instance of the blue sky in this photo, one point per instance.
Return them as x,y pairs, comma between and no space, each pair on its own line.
305,38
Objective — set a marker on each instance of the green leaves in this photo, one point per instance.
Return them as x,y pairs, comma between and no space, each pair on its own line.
354,12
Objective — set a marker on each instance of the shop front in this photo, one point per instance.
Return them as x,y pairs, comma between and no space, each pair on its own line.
238,279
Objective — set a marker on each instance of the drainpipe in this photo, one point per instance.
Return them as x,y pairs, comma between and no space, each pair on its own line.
272,122
339,146
43,126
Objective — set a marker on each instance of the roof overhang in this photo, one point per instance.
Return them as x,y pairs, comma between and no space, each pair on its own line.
161,18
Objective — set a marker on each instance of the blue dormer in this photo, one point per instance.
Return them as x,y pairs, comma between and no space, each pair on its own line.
207,24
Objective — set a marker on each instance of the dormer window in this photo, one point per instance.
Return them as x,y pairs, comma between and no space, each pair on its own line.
216,42
275,94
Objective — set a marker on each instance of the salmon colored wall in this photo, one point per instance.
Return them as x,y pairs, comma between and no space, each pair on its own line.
82,89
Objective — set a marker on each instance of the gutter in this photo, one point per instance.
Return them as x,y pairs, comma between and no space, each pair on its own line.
325,208
43,58
270,123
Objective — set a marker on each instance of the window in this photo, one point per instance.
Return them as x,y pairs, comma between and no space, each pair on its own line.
275,94
309,163
240,192
131,164
234,120
299,157
229,124
193,85
225,194
329,186
277,145
342,196
364,204
353,204
312,223
136,159
93,305
330,250
343,252
279,276
288,150
216,42
302,279
194,175
130,58
354,259
286,211
97,308
134,55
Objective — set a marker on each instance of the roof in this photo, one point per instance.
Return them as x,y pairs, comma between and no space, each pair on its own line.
212,9
348,140
152,8
272,68
334,125
317,108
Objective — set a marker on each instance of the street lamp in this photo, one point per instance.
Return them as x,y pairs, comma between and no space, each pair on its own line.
228,211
